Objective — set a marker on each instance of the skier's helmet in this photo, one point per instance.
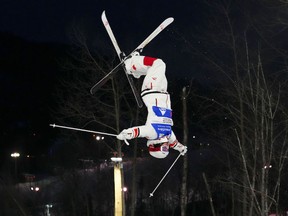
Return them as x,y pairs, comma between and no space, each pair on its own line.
158,148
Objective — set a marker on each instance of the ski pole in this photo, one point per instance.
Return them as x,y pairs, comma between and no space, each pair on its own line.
151,194
84,130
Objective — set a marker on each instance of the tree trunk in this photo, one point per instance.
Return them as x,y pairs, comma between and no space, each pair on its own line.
209,194
183,203
134,174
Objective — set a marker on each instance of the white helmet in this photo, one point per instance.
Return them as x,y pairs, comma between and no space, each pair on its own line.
158,148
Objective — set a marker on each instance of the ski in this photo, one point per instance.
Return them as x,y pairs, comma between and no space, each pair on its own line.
121,56
160,28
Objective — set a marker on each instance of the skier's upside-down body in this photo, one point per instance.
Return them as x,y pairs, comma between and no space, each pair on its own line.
158,127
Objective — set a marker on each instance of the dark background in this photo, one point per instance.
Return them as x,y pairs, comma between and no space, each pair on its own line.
35,37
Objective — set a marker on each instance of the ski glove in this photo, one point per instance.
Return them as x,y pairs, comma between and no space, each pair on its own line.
184,151
126,134
181,148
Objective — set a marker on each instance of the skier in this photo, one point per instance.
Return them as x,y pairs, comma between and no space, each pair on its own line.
158,127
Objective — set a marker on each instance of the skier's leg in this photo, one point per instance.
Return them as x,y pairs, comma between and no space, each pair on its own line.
155,79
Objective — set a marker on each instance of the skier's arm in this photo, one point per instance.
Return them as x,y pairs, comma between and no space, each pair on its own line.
128,134
176,145
143,131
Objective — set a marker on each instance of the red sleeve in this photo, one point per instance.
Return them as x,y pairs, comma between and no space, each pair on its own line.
148,61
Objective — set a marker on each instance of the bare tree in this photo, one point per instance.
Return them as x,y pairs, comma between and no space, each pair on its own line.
75,104
251,124
260,133
183,200
105,111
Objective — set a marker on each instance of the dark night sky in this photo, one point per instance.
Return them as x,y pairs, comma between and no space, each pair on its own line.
30,32
52,21
49,20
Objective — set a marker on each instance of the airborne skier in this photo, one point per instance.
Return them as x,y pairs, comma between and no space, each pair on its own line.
154,94
158,127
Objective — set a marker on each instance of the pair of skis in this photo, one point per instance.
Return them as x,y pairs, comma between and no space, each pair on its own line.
122,56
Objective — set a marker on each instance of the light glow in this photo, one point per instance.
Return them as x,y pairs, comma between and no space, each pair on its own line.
15,154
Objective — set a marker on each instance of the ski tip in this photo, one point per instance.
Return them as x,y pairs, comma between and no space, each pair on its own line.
104,18
52,125
140,104
170,20
151,195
